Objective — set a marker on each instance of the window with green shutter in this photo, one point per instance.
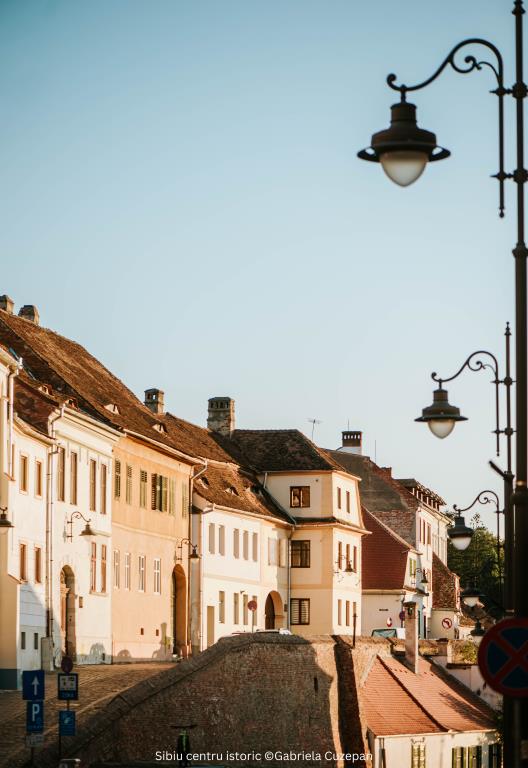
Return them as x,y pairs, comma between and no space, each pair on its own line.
474,757
458,757
495,756
185,499
418,756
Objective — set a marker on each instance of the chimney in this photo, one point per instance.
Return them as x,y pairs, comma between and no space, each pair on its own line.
411,636
7,304
351,441
445,651
30,312
221,415
154,399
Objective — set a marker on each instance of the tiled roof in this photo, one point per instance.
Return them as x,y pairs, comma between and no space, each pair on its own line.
278,450
444,588
227,485
384,556
32,405
395,701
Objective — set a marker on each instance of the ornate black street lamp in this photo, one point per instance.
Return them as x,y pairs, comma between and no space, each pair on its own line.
404,151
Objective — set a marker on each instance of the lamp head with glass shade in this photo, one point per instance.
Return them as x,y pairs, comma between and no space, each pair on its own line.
470,596
460,534
5,523
403,149
87,531
441,416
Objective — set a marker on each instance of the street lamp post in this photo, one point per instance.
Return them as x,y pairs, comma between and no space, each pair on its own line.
404,151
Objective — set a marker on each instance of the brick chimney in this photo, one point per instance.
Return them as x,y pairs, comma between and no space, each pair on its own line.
7,304
221,415
30,312
351,441
154,399
412,655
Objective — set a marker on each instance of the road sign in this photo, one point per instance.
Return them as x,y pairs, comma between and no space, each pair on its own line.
67,722
34,739
447,623
252,605
389,622
33,685
35,717
503,657
401,615
67,664
68,686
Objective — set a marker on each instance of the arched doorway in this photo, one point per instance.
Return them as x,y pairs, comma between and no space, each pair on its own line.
273,611
67,612
179,611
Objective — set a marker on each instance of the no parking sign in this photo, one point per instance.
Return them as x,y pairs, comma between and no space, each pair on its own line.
503,657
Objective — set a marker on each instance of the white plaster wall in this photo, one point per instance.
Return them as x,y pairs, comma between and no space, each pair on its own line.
279,487
438,748
470,676
378,607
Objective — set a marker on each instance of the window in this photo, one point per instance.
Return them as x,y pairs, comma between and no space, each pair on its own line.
159,492
172,496
221,607
127,570
141,573
348,502
348,561
474,757
23,562
221,539
299,496
412,568
300,554
157,576
245,545
185,499
495,756
339,498
23,478
103,567
117,569
429,534
339,612
255,547
245,610
35,641
117,479
283,552
353,562
299,610
93,566
418,756
236,608
236,543
339,554
347,613
103,488
128,484
38,478
74,465
23,641
93,484
143,482
211,538
61,462
38,565
458,757
272,551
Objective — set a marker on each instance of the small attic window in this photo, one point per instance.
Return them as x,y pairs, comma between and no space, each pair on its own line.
160,428
72,402
45,388
232,490
112,407
257,490
204,481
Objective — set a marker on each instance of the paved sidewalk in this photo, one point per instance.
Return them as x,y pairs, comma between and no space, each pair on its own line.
97,685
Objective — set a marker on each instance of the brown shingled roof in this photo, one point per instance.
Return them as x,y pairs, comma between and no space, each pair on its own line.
32,405
383,547
445,586
397,701
278,450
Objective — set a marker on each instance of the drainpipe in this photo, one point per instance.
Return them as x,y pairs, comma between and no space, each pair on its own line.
288,593
11,394
49,529
192,478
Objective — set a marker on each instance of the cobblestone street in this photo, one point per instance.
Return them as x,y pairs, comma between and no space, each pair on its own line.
97,685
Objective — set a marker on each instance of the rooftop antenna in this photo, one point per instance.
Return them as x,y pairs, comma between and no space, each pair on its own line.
313,422
375,451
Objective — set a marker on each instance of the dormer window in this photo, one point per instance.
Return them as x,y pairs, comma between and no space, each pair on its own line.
72,402
204,481
112,407
45,388
161,428
232,490
299,496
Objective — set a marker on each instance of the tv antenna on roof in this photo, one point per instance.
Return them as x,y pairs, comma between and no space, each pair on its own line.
313,422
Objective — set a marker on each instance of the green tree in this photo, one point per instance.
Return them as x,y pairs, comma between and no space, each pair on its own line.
479,566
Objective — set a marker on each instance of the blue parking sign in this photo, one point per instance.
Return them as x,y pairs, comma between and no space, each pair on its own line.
67,722
35,717
33,685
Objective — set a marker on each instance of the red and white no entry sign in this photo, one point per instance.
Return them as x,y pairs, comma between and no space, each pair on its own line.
447,623
252,605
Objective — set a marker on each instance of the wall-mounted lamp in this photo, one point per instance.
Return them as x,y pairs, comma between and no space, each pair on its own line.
193,550
5,524
86,531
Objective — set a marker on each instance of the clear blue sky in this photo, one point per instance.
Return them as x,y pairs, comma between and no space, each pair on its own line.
180,193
